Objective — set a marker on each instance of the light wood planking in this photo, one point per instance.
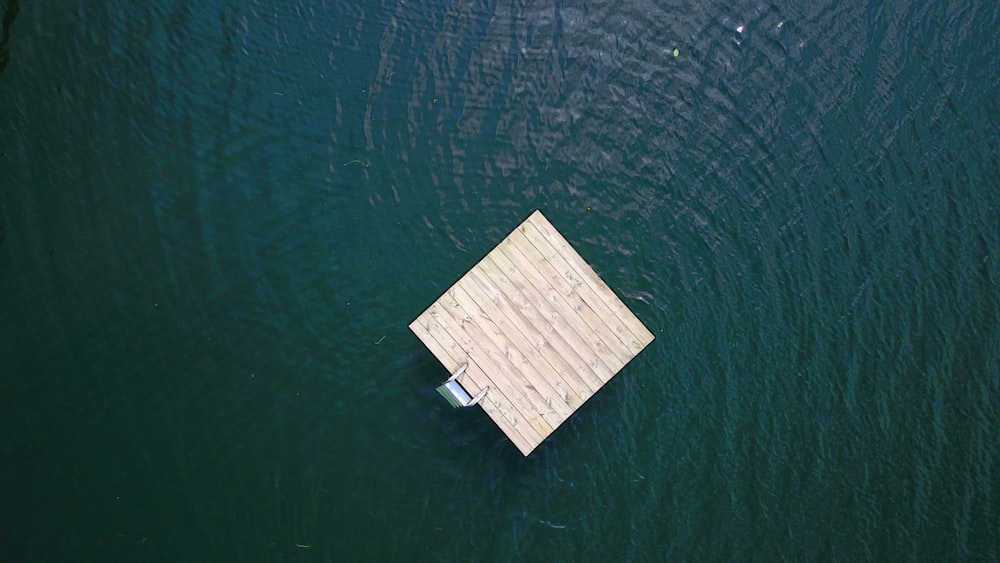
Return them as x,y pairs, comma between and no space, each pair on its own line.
496,404
642,335
568,297
567,386
520,365
471,338
537,327
542,333
541,317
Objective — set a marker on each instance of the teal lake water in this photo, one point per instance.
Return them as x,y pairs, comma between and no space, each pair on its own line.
218,218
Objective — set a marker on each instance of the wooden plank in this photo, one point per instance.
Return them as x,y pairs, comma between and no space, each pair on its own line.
498,368
499,407
488,360
638,329
451,353
568,300
523,370
527,337
564,338
591,342
570,265
537,326
514,425
555,370
641,335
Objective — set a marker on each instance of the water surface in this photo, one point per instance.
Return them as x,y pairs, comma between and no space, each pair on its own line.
217,220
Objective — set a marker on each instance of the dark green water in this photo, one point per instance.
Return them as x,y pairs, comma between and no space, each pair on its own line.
218,218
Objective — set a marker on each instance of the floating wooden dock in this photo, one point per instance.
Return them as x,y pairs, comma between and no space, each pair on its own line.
537,327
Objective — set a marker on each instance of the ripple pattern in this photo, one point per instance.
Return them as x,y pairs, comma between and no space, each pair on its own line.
216,221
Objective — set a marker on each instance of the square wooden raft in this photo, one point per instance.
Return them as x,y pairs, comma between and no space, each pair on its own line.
537,327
